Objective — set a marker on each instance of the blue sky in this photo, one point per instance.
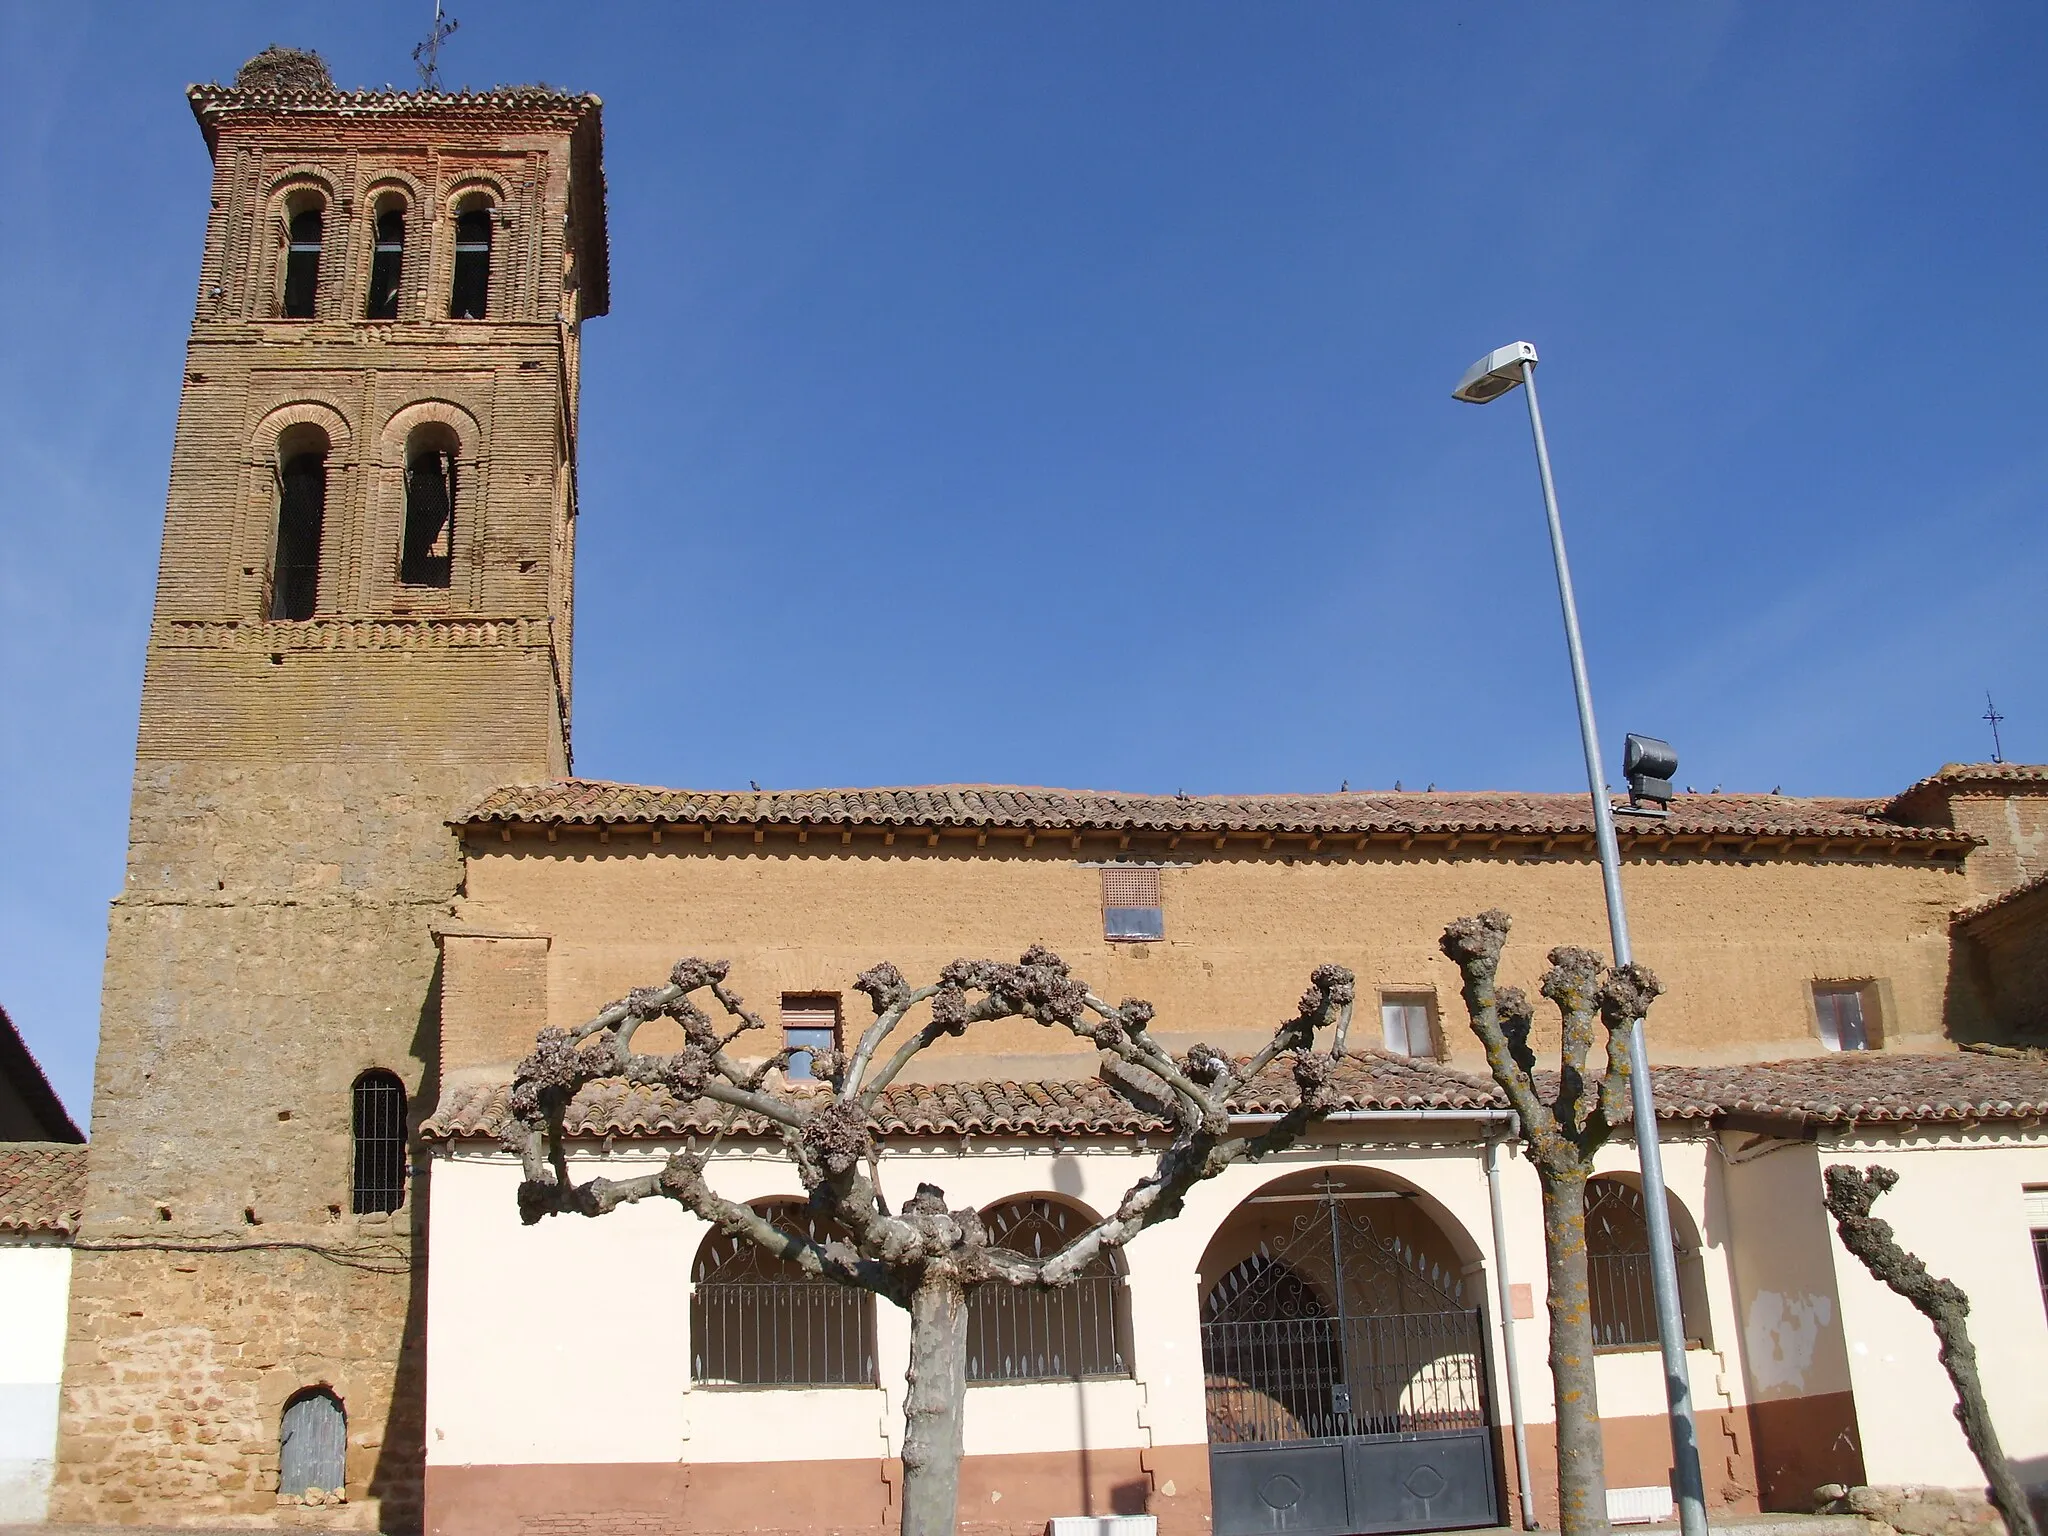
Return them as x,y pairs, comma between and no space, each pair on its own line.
1059,394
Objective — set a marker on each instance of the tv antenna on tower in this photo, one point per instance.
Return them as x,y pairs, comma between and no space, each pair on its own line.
428,55
1991,714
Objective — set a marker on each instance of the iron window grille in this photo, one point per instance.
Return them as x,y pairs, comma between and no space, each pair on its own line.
759,1321
1131,909
379,1119
387,265
1843,1026
1618,1275
810,1022
1074,1332
312,1443
301,512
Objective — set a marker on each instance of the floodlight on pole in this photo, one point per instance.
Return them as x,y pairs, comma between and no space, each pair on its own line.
1494,375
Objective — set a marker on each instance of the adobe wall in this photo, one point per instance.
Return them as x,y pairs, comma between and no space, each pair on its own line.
1738,943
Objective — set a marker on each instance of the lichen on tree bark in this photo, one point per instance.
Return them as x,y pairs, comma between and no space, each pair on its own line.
1560,1138
923,1257
1851,1192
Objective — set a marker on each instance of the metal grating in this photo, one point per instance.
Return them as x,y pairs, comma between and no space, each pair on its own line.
379,1124
759,1321
1072,1333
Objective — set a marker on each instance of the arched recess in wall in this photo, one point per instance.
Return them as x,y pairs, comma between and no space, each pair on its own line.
476,267
429,495
760,1321
1341,1301
396,237
1075,1333
312,1443
302,209
299,454
1624,1304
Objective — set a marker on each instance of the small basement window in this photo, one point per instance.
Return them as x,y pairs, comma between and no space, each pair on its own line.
1405,1025
810,1022
2037,1222
1844,1018
1131,911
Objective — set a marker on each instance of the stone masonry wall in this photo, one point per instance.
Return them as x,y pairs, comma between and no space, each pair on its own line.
290,856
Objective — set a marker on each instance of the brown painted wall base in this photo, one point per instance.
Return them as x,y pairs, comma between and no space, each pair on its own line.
1802,1442
1805,1442
999,1495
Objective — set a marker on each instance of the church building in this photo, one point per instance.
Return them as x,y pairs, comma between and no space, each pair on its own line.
362,877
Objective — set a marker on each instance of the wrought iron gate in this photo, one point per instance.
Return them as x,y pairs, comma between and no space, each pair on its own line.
1345,1383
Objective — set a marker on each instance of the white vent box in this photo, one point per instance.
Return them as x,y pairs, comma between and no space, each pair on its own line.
1640,1506
1103,1525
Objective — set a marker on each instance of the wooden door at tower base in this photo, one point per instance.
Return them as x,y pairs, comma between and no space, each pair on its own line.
1345,1383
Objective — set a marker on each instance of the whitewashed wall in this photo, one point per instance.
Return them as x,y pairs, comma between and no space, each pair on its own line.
1960,1205
513,1367
35,1289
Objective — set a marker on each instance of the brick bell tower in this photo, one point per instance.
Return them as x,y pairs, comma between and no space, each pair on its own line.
362,623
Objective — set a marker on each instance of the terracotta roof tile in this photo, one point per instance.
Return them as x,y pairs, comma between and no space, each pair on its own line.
1851,1089
1921,797
1082,1106
590,802
42,1187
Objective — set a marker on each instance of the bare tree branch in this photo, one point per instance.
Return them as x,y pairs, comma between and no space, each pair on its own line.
924,1257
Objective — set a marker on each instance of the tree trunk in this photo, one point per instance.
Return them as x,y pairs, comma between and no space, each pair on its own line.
934,1411
1959,1357
1581,1462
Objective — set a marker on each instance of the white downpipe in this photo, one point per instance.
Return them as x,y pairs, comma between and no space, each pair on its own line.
1507,1335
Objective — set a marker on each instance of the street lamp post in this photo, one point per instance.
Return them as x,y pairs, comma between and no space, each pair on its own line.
1488,379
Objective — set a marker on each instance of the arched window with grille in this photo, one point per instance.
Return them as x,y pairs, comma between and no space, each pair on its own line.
378,1106
1624,1303
312,1443
427,557
759,1321
305,224
387,264
469,294
301,514
1069,1333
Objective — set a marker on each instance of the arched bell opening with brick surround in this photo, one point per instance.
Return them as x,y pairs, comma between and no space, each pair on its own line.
429,492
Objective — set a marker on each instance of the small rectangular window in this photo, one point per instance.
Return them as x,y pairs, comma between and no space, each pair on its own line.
1406,1028
2037,1220
1131,909
1844,1025
810,1022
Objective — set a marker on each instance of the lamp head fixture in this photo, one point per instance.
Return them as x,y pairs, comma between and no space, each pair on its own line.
1649,765
1496,373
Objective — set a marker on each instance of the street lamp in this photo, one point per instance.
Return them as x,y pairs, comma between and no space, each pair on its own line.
1488,379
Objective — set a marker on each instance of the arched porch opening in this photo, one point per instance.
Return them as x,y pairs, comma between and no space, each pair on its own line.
1344,1361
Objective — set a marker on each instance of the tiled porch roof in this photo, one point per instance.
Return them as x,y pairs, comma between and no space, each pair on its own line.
1859,1089
42,1187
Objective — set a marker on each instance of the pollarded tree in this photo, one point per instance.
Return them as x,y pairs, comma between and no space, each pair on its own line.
921,1256
1560,1138
1851,1192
